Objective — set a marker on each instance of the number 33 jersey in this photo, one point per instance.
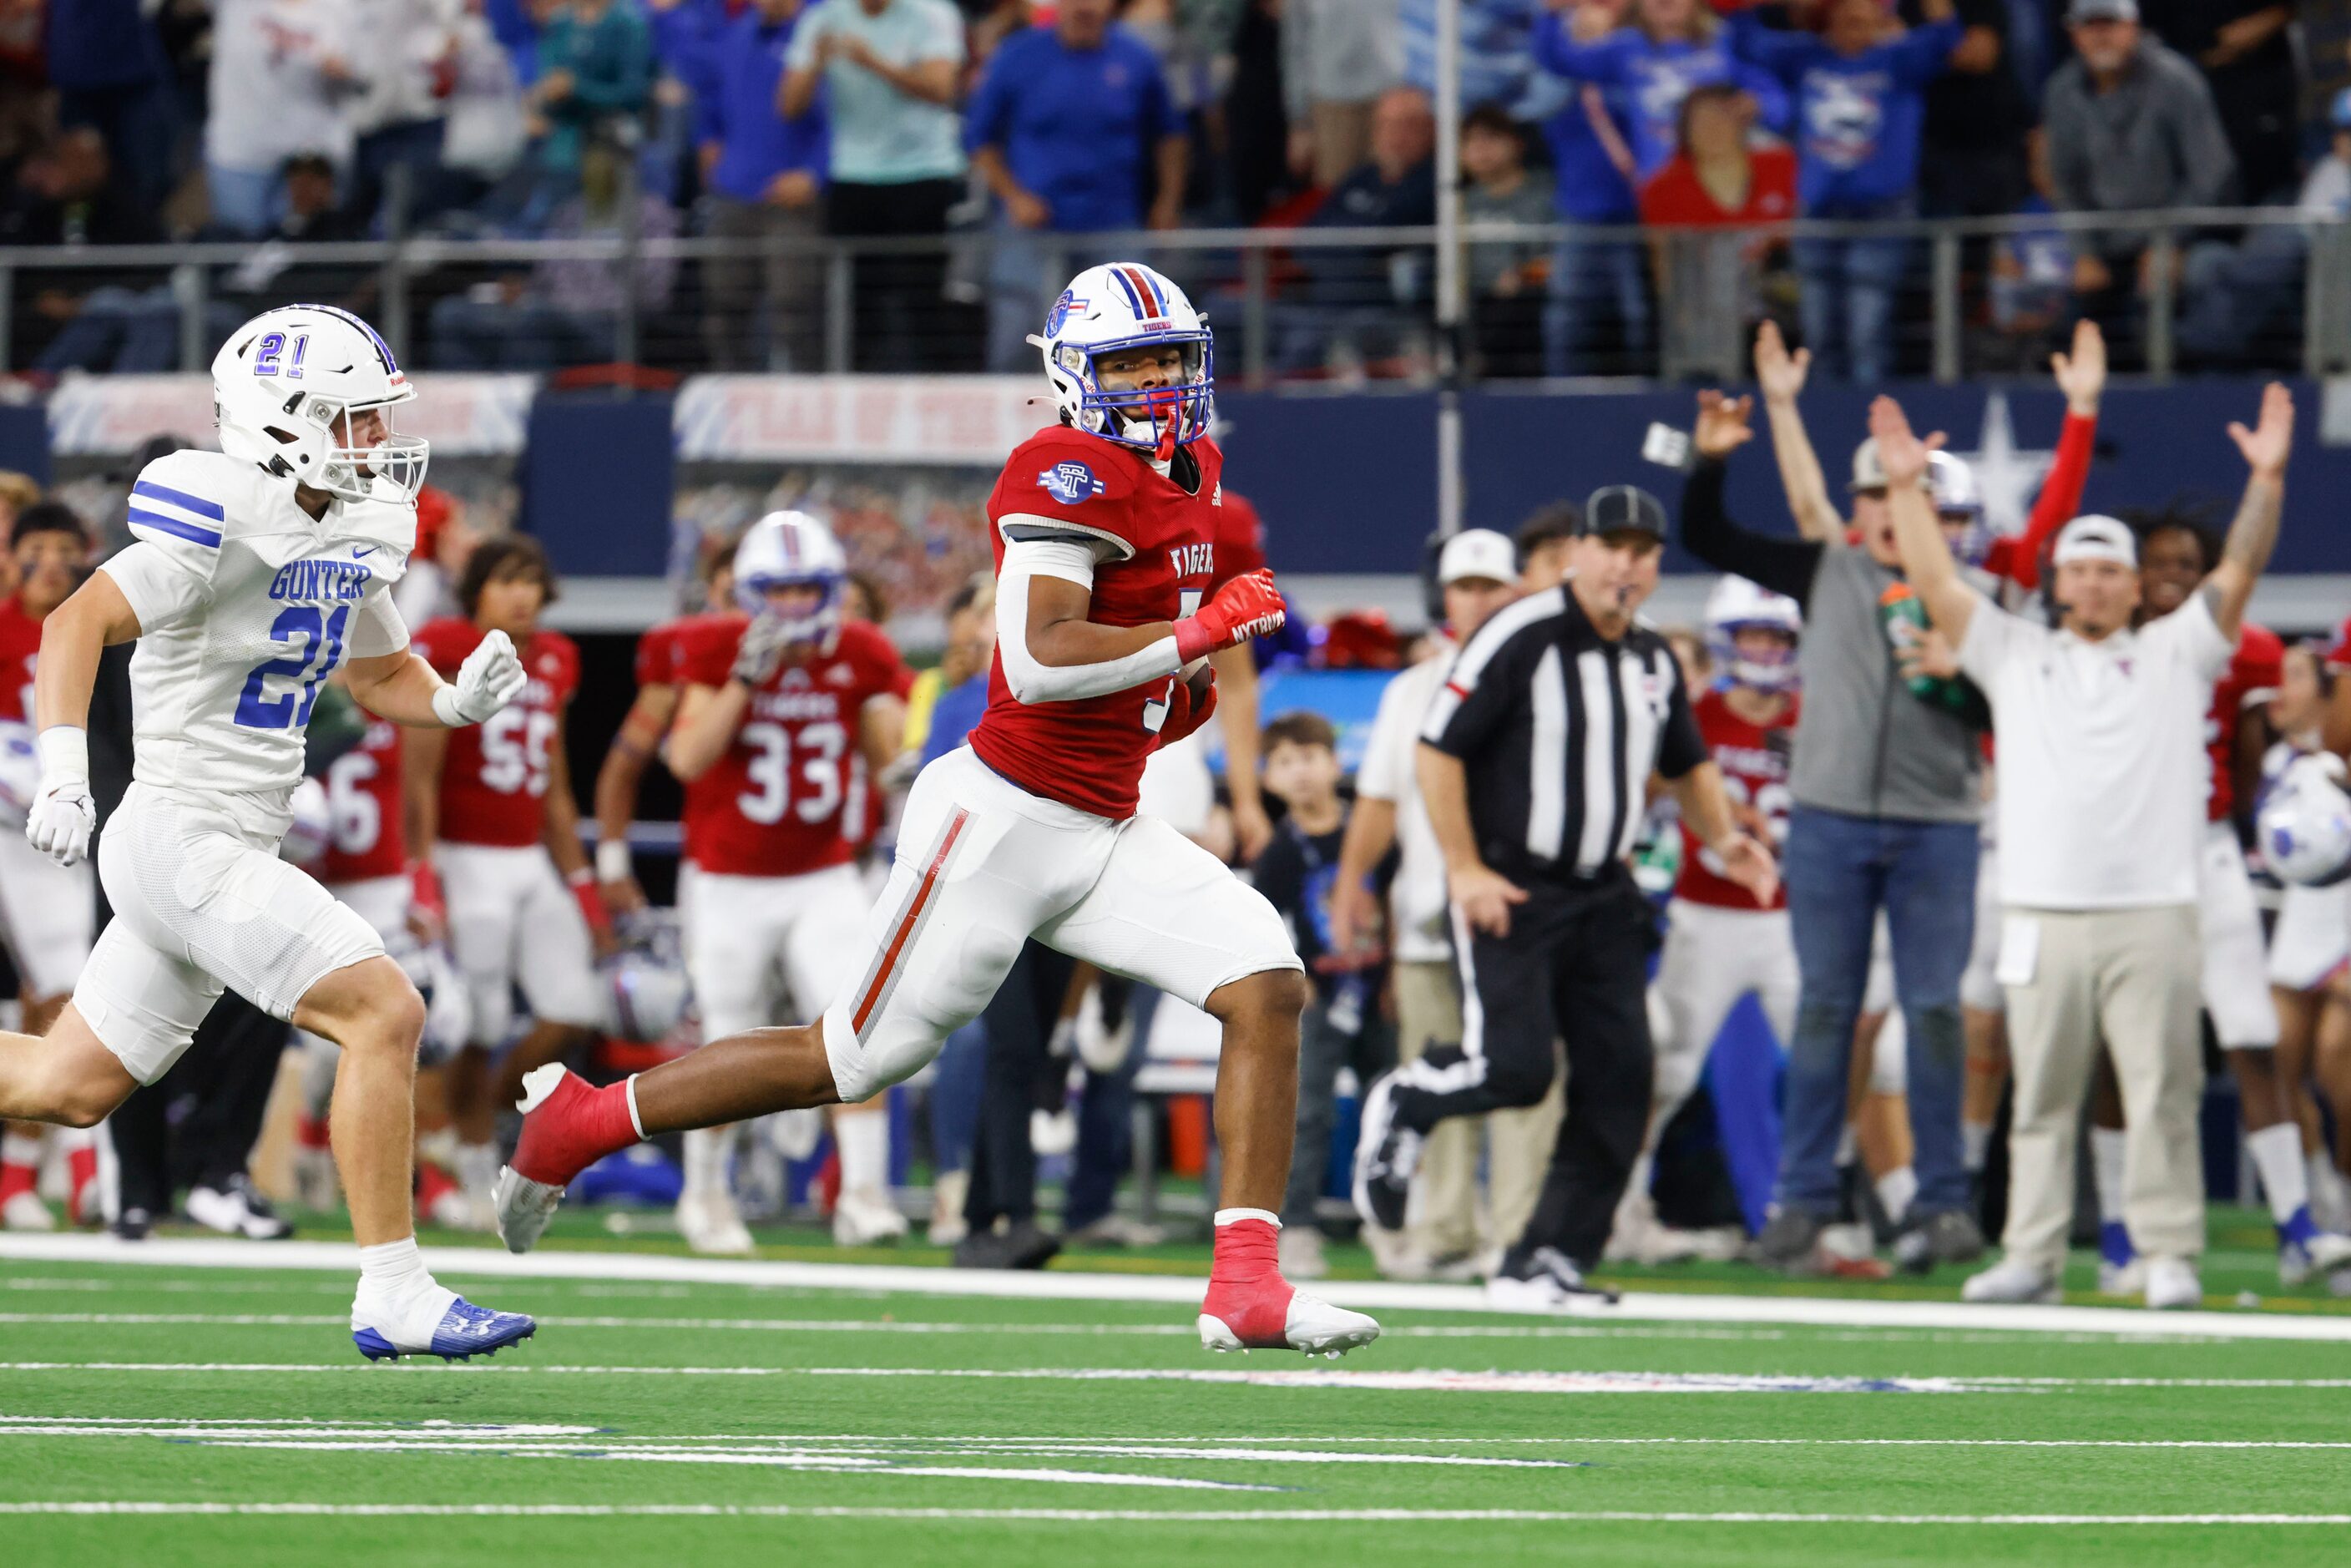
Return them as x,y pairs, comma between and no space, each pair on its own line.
246,605
494,779
788,797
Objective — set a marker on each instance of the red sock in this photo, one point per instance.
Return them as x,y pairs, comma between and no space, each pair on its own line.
15,1179
433,1185
1245,1253
572,1129
312,1133
1246,1291
81,1173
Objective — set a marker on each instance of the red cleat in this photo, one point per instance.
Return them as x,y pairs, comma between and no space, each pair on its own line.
567,1126
1250,1306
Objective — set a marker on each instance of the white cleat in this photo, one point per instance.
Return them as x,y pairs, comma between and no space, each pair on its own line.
25,1211
711,1224
2323,1254
2012,1282
524,1207
2126,1279
1311,1326
866,1219
2173,1285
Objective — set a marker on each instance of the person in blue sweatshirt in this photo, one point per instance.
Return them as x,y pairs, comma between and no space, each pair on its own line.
1861,98
1636,63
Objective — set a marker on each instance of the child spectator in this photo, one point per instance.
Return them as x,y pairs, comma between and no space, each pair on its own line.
1861,101
1341,1027
1505,277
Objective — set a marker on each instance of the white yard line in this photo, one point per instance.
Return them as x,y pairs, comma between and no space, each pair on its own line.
1139,1516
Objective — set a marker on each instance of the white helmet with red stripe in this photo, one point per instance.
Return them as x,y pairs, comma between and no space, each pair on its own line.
1120,307
792,549
1737,605
285,386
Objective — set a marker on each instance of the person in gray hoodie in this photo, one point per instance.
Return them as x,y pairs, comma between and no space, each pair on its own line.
2131,126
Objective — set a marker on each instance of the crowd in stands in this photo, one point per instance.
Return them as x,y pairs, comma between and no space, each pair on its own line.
1022,129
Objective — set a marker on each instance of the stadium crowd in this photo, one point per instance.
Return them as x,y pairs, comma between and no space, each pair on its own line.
1019,131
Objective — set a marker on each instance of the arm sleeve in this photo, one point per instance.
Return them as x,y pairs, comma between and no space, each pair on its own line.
1769,48
1924,53
1991,632
376,626
1773,108
987,123
1031,682
945,41
161,587
2059,501
1782,565
1681,746
1600,61
801,54
1481,689
2207,162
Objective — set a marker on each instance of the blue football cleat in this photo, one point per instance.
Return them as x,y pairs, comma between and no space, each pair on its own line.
464,1332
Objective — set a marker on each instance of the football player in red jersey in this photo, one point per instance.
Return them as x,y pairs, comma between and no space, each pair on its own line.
2175,555
786,713
494,838
49,912
640,737
1719,944
1103,550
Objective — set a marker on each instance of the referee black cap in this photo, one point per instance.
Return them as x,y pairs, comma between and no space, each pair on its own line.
1621,509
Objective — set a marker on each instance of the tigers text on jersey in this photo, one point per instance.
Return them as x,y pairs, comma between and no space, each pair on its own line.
20,646
1158,539
494,779
246,605
788,796
365,835
2255,669
1754,763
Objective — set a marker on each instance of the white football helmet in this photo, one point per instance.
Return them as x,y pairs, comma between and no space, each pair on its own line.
2303,825
283,381
1737,605
20,772
1959,499
1126,304
313,825
646,982
790,550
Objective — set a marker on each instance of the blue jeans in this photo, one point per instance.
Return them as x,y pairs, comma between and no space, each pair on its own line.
126,331
1846,296
248,201
1840,870
1591,280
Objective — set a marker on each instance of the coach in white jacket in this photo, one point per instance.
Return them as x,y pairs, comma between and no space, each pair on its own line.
1477,572
2102,773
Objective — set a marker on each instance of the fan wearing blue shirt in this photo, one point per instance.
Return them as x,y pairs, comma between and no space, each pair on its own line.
1068,126
1591,280
764,173
1861,99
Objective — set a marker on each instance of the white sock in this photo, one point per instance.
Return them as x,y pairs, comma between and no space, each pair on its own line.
2107,1145
705,1158
20,1149
1975,1145
394,1271
863,1137
73,1139
1895,1189
2277,1155
1230,1215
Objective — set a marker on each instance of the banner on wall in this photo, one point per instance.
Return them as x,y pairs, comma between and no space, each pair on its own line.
106,416
959,420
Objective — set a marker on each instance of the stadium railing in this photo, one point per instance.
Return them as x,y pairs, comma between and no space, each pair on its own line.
2217,288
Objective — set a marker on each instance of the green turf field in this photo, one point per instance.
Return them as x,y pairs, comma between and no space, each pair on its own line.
718,1423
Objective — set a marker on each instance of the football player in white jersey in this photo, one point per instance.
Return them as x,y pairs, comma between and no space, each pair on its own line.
255,574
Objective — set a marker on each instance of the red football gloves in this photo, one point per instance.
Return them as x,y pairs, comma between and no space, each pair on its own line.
1184,714
1248,606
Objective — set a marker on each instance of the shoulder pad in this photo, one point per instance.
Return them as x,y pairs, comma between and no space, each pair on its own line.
194,497
1070,467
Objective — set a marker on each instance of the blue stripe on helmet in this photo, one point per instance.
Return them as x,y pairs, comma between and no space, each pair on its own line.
1127,283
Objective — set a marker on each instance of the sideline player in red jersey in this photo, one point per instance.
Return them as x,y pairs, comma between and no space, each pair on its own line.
2175,555
786,712
49,912
1103,546
1719,945
494,834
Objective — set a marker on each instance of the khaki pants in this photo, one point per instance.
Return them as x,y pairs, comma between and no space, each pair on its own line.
1518,1143
2127,979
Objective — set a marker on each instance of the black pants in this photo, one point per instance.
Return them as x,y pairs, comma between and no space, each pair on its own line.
1573,968
901,318
1019,1020
196,1125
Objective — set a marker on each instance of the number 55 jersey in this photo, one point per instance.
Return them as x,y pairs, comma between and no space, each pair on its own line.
246,605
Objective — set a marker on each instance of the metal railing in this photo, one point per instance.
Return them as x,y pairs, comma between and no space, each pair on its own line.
1285,301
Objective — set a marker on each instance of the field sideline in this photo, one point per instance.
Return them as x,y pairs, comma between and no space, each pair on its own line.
200,1404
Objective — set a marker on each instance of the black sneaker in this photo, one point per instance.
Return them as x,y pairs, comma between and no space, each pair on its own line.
1544,1279
133,1225
1022,1245
1790,1242
1385,1157
1950,1237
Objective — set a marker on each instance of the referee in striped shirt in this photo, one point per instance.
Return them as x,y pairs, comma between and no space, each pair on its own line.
1535,762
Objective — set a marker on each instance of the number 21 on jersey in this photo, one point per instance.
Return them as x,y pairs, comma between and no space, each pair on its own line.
317,647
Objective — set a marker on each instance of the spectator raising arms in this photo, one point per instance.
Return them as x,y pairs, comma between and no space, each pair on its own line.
1860,102
1067,128
890,69
764,166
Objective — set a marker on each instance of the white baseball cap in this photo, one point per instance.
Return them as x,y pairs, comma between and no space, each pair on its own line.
2096,538
1869,469
1478,552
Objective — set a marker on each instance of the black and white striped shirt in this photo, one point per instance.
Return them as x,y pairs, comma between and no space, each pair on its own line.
1558,729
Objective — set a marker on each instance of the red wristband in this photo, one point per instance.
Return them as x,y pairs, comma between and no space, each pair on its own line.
1193,640
591,902
424,889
